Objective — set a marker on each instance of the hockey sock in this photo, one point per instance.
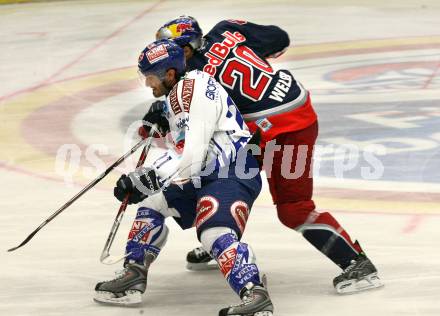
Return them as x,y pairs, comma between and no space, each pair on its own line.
147,236
236,261
332,244
322,231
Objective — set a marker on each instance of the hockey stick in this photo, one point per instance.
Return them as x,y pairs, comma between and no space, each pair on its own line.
106,258
79,194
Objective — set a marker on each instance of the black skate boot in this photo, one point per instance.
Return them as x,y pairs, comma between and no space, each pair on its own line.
199,259
126,289
255,302
360,275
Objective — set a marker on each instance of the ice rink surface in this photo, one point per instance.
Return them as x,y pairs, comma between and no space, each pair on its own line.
68,76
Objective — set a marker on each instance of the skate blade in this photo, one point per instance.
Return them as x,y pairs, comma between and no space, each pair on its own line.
262,313
369,282
204,266
131,298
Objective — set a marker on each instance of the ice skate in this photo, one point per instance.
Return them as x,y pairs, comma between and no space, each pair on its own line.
360,275
199,259
126,289
255,302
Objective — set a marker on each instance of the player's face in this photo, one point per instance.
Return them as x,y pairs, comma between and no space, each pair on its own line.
188,51
170,79
153,82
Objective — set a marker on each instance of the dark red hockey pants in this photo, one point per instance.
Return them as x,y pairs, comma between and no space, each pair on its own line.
291,186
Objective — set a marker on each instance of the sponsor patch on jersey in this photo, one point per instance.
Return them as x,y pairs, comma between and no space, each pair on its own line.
264,124
157,53
206,208
174,102
182,122
226,261
180,145
187,93
211,89
219,51
240,213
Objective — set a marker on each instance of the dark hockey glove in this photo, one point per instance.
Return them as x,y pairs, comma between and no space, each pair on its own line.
155,115
125,186
145,179
122,188
139,184
256,138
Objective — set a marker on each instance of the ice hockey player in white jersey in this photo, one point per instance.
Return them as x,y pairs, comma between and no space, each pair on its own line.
207,179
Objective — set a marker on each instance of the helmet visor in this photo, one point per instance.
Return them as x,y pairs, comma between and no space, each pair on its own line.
147,79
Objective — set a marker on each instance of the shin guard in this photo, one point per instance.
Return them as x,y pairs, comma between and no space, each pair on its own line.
236,261
147,236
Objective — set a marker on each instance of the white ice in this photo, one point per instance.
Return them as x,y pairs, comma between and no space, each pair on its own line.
398,224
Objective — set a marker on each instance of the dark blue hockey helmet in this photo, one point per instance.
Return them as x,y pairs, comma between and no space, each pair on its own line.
184,30
160,56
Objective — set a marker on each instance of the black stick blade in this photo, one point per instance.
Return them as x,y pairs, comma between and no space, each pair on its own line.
15,248
24,242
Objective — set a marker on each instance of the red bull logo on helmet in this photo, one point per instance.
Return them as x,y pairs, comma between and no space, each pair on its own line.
182,27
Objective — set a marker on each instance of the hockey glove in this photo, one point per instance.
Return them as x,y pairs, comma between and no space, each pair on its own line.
140,184
123,187
256,138
155,115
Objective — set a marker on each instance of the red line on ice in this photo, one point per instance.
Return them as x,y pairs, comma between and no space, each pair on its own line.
8,167
103,41
431,78
52,123
412,224
84,54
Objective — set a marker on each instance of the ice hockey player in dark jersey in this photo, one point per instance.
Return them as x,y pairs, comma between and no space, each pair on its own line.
279,108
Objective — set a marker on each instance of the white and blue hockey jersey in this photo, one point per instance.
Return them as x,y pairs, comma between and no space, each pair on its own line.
206,129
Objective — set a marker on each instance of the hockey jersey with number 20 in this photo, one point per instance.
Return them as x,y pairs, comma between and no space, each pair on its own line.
235,53
206,128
